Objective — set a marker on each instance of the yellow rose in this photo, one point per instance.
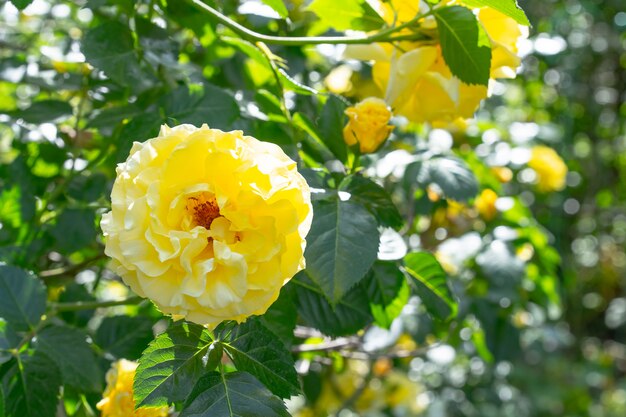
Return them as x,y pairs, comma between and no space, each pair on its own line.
117,399
368,124
207,224
486,204
549,167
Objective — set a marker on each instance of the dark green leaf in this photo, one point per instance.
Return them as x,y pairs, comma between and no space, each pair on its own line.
236,394
347,14
21,4
69,349
331,124
172,364
374,198
500,265
22,297
35,389
204,104
452,175
123,336
387,291
465,45
281,317
111,48
44,111
139,129
350,315
431,284
508,7
341,246
88,187
255,349
75,229
8,340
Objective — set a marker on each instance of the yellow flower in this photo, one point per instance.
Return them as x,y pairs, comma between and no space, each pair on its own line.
368,124
207,224
117,399
550,168
486,204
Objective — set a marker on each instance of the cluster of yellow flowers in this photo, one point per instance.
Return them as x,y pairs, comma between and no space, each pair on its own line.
208,224
117,399
414,77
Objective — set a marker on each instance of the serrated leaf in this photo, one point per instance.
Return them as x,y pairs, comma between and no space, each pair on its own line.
74,229
69,349
387,291
237,394
282,316
507,7
22,297
374,198
278,6
44,111
465,46
341,246
172,364
452,175
123,336
111,48
350,315
431,283
331,124
347,14
35,389
255,349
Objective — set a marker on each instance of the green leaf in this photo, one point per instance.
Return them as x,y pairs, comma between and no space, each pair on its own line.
465,46
8,340
278,6
35,389
172,364
500,265
374,198
22,297
123,336
237,394
347,14
290,84
111,48
331,123
452,175
74,230
44,111
21,4
431,284
350,315
387,291
341,246
255,349
69,349
507,7
281,317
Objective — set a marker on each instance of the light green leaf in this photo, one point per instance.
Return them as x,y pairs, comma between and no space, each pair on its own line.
348,316
278,6
255,349
341,246
508,7
123,336
69,349
452,175
35,389
374,198
172,364
347,14
387,291
22,297
431,284
465,46
236,394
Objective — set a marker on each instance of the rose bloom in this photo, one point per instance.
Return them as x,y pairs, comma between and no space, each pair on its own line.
415,78
207,224
117,399
485,203
368,124
549,167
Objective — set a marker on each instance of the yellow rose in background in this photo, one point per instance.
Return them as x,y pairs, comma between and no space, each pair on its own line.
550,169
368,124
207,224
486,204
117,399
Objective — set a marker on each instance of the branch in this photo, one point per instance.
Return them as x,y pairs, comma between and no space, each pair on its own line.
92,305
250,35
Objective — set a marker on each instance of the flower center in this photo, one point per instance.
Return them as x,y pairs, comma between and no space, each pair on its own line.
204,209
